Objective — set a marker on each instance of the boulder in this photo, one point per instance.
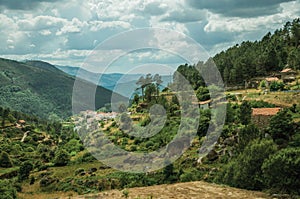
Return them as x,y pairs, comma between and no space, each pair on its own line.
212,155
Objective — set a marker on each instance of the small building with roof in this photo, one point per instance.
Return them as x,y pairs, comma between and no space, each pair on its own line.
288,75
261,116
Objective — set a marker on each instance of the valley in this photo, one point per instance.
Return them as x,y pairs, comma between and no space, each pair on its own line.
168,141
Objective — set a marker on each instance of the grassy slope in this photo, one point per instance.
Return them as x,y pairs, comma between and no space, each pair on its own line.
40,89
281,99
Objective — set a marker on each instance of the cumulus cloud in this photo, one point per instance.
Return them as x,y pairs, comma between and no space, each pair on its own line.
41,23
240,8
23,4
185,15
220,23
155,7
65,32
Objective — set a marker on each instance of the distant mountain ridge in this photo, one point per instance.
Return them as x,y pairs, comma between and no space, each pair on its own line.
124,84
39,88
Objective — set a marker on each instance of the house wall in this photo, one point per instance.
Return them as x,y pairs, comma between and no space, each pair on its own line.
261,121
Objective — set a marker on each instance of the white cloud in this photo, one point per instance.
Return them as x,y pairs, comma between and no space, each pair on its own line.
74,26
45,32
218,22
99,25
65,32
41,23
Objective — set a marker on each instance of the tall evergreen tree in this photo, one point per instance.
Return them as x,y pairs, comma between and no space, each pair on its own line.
245,113
5,160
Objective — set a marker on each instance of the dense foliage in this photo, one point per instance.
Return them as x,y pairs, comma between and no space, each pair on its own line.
260,58
38,88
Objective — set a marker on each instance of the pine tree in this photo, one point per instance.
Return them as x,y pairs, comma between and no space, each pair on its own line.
5,161
245,113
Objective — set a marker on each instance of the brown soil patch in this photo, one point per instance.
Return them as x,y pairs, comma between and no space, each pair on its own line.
190,190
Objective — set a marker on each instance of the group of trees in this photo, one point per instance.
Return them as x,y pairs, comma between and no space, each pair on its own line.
264,158
149,86
35,152
259,58
4,113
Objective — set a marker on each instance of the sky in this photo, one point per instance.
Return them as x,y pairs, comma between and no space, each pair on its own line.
120,35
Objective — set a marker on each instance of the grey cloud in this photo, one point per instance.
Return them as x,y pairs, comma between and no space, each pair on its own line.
154,9
239,8
22,4
186,16
208,40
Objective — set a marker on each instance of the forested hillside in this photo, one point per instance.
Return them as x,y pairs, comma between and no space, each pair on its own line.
252,59
40,89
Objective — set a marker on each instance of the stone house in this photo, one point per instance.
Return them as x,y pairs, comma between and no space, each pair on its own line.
288,75
261,116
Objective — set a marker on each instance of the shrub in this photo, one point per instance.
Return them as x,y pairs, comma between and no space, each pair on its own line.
24,171
7,190
282,171
5,160
32,180
73,145
62,158
46,181
245,171
188,176
79,171
125,193
247,134
281,127
276,86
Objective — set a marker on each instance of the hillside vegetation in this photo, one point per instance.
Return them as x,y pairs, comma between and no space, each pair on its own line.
260,58
40,89
45,159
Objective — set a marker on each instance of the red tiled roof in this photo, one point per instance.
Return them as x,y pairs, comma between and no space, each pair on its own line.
286,70
272,79
203,102
265,111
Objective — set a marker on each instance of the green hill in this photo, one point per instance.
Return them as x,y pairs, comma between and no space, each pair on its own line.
39,88
271,54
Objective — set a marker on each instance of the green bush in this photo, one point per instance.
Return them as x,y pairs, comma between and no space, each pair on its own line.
282,171
245,170
276,86
202,94
7,190
62,158
189,176
247,134
47,180
261,104
281,127
79,171
5,160
73,145
25,170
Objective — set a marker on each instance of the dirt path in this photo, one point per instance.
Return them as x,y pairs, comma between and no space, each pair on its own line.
190,190
25,135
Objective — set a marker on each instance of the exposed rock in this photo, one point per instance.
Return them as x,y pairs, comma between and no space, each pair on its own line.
212,155
229,141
